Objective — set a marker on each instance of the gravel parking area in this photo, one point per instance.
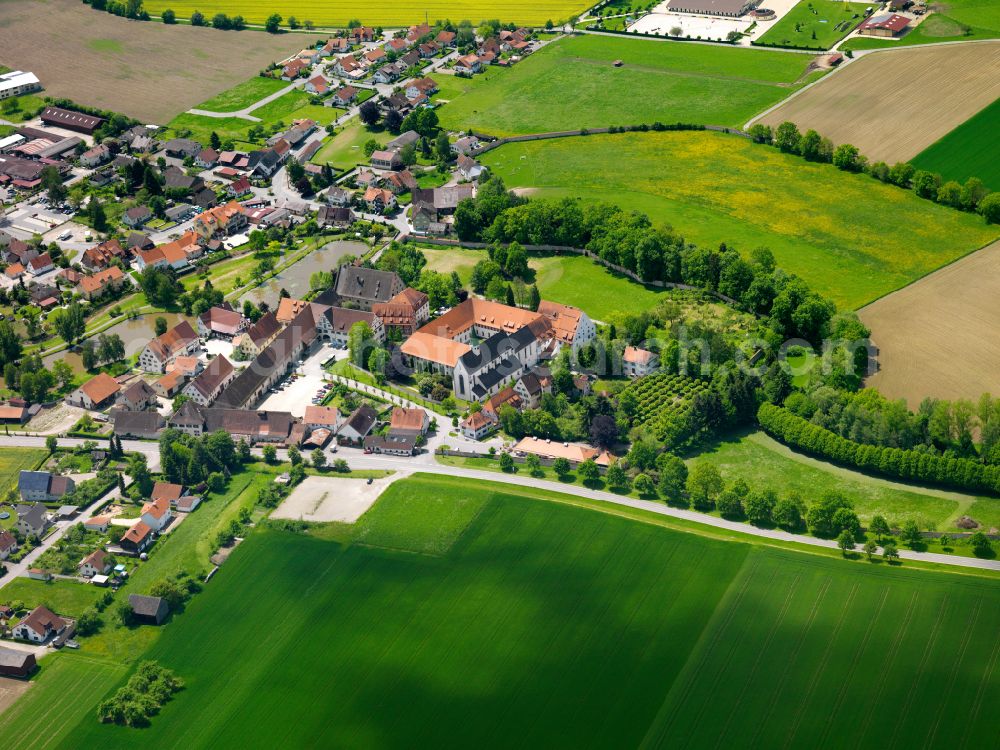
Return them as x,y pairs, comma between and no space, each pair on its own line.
299,393
325,499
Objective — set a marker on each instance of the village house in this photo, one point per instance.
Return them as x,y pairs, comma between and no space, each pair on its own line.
39,626
102,255
391,444
179,341
379,200
317,85
364,287
468,65
220,221
97,393
477,426
43,486
637,363
156,514
333,324
407,421
33,520
404,312
357,426
8,544
257,336
137,216
469,169
343,96
138,397
386,160
40,264
170,384
176,254
96,563
142,425
95,156
103,282
239,186
168,491
206,158
575,453
322,418
98,523
425,86
207,386
294,69
221,321
137,539
182,148
241,424
335,216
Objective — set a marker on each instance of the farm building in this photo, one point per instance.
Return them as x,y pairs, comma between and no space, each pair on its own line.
151,610
729,8
15,663
885,24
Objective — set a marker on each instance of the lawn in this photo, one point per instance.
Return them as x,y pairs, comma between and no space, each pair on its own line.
346,149
62,597
573,84
767,464
825,225
958,21
13,460
243,95
815,24
487,618
970,150
20,108
396,14
570,279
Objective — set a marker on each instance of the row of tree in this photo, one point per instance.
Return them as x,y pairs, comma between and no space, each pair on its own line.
971,196
189,460
629,240
912,465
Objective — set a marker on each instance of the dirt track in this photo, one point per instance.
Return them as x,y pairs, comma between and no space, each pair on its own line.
893,105
144,69
938,336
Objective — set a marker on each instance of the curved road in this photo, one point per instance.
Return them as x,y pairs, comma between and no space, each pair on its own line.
426,463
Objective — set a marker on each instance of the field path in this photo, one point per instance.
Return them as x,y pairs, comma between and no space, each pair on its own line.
244,114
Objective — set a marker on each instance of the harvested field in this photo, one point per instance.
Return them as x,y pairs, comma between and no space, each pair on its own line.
132,67
937,337
10,691
324,499
892,105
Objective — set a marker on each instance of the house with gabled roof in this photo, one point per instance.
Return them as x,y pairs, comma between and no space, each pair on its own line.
33,520
8,544
207,386
96,563
156,513
364,287
138,397
221,321
137,539
181,340
40,625
97,393
258,335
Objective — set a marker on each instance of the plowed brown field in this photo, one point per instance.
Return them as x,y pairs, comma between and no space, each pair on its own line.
938,336
148,70
894,104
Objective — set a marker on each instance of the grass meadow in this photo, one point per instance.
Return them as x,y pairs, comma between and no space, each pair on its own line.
243,95
13,460
970,150
767,464
346,149
569,279
815,23
956,21
825,225
291,106
480,617
403,13
669,82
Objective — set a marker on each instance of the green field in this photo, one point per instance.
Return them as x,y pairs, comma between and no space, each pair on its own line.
291,106
402,13
970,150
767,464
570,279
13,460
573,84
345,149
243,95
478,617
956,21
815,24
825,225
63,597
66,696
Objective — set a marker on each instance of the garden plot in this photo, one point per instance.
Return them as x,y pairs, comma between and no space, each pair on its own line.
325,499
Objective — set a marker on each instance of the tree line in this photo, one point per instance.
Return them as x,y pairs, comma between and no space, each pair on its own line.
973,196
628,239
900,463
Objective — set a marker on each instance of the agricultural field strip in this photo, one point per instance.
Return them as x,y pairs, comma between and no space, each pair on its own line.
957,82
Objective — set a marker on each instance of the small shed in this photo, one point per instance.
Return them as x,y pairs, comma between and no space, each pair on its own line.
152,610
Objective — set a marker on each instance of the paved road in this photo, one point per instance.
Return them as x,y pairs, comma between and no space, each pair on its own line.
426,463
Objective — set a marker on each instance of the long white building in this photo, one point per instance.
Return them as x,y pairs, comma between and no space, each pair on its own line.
18,82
